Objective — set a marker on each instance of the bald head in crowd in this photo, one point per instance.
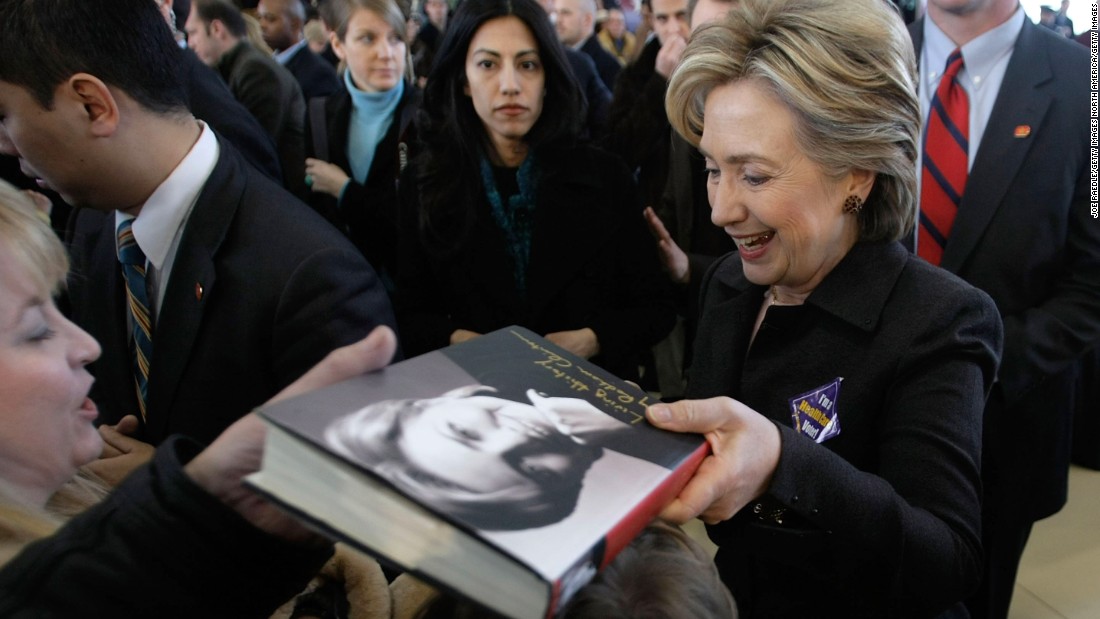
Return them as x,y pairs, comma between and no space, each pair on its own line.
576,20
281,22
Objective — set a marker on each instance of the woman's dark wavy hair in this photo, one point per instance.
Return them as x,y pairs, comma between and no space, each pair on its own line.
453,138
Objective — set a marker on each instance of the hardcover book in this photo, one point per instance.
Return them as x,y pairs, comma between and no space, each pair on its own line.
504,470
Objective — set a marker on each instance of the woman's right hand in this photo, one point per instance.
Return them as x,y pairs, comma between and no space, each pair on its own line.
327,177
745,449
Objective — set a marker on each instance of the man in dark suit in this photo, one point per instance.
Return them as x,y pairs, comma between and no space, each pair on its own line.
687,240
217,33
241,287
575,22
431,33
1063,24
1022,233
210,101
282,23
597,96
638,129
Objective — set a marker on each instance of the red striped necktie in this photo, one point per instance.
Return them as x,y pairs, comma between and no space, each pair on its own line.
944,170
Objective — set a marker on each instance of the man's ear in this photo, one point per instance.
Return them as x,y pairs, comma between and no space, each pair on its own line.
99,103
217,29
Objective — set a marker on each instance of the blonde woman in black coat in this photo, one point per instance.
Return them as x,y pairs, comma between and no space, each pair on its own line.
839,378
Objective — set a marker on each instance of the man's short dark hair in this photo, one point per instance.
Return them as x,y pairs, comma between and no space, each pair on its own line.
223,11
125,43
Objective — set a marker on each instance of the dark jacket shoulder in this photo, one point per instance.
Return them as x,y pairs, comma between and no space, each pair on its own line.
315,76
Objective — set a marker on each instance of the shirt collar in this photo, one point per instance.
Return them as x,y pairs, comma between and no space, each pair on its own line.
284,56
980,55
167,207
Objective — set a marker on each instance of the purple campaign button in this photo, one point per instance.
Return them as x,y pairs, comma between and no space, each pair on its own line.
814,413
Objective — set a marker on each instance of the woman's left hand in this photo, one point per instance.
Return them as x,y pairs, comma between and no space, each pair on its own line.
327,177
745,448
580,342
122,453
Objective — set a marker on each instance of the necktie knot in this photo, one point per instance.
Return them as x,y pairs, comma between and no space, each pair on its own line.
954,65
128,251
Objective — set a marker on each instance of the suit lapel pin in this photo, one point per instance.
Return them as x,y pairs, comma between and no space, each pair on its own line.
198,291
1022,131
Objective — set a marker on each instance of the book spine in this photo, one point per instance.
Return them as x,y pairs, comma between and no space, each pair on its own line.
553,607
563,589
645,511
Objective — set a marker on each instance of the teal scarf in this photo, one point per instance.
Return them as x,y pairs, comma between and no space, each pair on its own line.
516,219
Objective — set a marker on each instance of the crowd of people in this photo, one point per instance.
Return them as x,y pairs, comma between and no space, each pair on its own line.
826,237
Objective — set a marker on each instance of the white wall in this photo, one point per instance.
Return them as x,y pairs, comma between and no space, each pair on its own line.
1080,11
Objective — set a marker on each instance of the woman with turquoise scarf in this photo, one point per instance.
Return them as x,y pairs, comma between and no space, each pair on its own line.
508,217
357,139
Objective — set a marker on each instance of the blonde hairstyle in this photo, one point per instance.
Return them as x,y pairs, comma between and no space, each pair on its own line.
315,31
34,246
846,71
37,252
22,524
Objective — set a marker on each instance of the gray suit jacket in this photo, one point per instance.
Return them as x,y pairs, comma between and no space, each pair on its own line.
269,91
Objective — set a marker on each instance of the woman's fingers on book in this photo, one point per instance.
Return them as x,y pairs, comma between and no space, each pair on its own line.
745,449
699,416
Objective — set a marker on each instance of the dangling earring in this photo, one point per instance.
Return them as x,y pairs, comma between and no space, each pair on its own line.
852,205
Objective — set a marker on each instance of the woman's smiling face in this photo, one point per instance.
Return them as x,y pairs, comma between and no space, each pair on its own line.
785,214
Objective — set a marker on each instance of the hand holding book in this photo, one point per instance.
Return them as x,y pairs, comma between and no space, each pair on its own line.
238,452
503,469
745,454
